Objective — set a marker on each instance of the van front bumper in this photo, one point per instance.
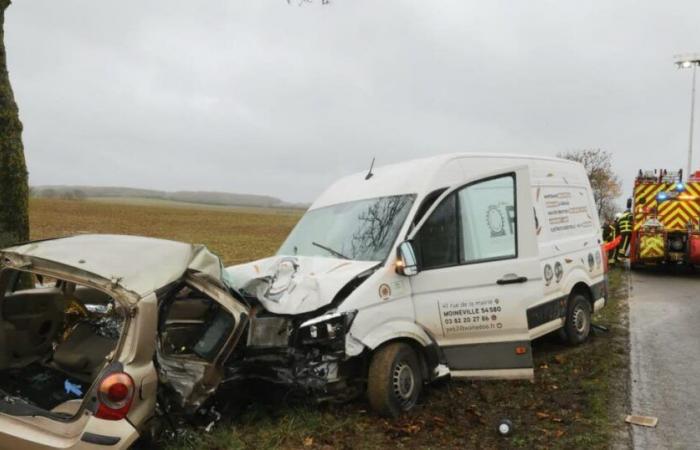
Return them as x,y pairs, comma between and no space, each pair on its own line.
293,367
322,375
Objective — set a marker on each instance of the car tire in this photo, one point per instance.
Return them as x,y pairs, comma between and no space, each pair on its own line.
578,319
395,379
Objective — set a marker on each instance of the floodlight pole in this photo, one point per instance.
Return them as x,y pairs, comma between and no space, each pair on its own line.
692,122
686,62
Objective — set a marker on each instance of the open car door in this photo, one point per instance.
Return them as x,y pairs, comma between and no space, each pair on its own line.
199,326
479,271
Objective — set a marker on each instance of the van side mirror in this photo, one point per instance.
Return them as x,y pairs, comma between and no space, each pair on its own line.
407,264
629,203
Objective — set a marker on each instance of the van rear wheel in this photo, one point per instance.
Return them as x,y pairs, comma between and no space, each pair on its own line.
395,379
578,319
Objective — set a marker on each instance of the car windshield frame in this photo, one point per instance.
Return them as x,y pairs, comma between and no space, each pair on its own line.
331,230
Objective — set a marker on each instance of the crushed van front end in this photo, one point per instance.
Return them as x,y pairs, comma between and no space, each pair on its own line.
303,354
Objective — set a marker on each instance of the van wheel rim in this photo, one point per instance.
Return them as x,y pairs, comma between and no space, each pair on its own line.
580,320
404,382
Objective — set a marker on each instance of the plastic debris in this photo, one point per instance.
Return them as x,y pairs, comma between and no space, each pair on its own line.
215,418
505,427
72,388
644,421
602,328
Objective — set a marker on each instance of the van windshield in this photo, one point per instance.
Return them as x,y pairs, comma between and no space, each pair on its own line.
363,230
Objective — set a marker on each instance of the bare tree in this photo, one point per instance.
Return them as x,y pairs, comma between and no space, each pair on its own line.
375,225
605,183
14,189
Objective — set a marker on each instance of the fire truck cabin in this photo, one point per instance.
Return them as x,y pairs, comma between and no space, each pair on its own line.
666,226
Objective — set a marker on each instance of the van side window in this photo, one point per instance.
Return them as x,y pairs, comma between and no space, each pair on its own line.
426,204
488,220
437,239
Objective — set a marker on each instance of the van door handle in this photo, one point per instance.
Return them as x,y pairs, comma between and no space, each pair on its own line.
511,279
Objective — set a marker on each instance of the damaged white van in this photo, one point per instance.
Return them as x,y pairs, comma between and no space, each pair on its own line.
413,271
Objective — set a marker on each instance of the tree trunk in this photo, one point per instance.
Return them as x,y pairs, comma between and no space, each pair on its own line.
14,189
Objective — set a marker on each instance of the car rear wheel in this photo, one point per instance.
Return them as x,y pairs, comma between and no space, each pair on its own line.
395,379
578,319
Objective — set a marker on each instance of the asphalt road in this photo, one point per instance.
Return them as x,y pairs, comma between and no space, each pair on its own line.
665,358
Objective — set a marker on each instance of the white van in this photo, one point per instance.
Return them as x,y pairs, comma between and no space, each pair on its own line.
413,271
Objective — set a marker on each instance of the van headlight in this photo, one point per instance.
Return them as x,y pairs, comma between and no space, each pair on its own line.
329,328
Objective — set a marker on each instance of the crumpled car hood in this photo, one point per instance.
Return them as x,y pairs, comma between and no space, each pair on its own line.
136,263
295,285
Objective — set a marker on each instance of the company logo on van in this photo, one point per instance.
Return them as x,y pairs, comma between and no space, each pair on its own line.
496,221
558,271
548,274
384,292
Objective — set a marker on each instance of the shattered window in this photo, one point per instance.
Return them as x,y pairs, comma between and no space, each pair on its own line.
194,324
363,230
215,335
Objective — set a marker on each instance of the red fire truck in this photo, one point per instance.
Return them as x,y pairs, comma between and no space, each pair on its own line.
666,218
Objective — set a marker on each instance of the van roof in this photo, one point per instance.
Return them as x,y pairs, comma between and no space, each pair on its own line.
420,176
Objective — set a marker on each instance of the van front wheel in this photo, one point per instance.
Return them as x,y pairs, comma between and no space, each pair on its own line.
578,319
395,379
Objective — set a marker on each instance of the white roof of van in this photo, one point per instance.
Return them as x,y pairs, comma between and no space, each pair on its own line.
139,264
420,176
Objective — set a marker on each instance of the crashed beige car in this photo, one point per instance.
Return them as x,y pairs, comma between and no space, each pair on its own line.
96,329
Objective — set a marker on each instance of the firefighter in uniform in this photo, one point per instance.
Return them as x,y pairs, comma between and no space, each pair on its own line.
624,224
609,235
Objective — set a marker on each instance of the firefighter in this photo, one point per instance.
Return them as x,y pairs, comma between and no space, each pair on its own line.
624,225
609,235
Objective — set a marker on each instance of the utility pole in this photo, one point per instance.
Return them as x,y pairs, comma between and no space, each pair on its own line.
687,62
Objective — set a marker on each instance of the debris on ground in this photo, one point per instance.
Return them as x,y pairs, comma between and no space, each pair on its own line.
505,427
644,421
600,328
214,417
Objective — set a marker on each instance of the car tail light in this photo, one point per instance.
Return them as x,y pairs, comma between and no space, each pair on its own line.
115,394
604,255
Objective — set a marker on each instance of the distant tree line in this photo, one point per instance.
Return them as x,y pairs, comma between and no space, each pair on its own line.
72,194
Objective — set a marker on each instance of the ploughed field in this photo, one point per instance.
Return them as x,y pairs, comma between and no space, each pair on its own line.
577,401
236,235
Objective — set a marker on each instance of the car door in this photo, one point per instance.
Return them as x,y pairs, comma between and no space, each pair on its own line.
479,272
199,328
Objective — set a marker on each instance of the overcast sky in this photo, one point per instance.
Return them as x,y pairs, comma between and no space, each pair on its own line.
258,96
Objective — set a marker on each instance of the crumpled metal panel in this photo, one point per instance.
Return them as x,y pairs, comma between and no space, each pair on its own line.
185,378
138,264
295,285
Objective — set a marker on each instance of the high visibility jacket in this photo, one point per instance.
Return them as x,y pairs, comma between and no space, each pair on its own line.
610,233
625,222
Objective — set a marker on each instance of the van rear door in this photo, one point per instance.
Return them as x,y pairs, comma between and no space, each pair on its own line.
479,272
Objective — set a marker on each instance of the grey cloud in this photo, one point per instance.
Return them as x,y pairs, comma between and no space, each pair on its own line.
263,97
